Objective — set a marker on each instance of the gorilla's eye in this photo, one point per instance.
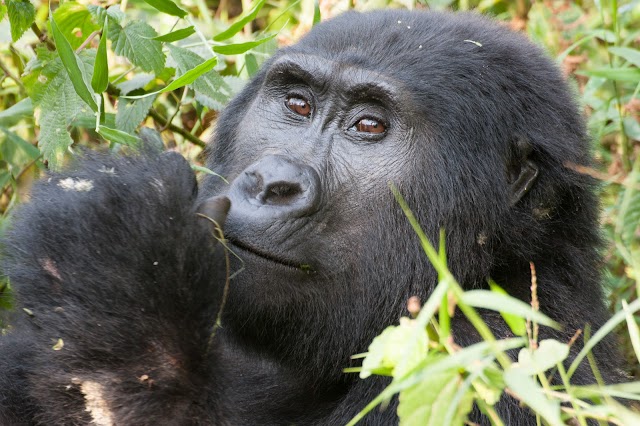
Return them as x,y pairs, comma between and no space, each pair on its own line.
299,105
369,125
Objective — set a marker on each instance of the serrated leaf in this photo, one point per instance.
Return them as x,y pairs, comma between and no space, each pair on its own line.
132,112
548,354
240,22
530,392
118,136
185,79
72,17
618,74
167,6
211,89
176,35
15,113
73,65
630,55
99,13
135,42
100,79
138,81
21,15
427,403
501,303
59,105
236,49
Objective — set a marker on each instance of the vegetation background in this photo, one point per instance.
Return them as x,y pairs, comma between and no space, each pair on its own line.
113,75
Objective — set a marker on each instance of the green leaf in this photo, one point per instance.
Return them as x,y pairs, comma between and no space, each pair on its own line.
16,113
396,350
548,354
208,172
16,150
251,63
634,332
59,105
118,136
73,66
100,79
427,403
3,11
168,7
176,35
517,324
618,74
606,328
530,392
235,49
72,18
186,78
21,15
114,13
132,112
630,55
242,20
135,42
500,303
211,89
316,13
138,81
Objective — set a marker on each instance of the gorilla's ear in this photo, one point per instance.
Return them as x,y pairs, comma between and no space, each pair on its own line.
522,172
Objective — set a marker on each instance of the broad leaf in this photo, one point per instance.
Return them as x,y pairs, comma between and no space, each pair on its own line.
427,403
132,112
21,15
15,113
630,55
548,354
135,42
73,65
75,22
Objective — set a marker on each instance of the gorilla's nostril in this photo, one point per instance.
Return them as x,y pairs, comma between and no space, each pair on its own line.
281,192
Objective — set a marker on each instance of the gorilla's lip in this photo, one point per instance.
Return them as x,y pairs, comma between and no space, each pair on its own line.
270,257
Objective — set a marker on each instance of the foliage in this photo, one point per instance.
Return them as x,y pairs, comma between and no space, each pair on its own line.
115,75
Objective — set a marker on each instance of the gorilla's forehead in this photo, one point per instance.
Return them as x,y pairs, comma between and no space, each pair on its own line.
339,76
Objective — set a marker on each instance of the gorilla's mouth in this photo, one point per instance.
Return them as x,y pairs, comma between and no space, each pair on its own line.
270,257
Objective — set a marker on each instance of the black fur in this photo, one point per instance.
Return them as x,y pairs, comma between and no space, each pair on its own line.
480,126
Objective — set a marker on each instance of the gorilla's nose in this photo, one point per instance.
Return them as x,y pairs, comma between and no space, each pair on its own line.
276,185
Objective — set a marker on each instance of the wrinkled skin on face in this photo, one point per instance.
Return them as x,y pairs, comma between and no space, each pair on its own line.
473,125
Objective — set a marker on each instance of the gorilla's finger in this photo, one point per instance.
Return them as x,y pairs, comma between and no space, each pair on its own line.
215,210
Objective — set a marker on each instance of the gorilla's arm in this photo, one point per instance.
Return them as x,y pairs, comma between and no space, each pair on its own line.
118,283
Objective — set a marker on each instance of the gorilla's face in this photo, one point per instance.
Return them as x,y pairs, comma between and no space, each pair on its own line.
313,156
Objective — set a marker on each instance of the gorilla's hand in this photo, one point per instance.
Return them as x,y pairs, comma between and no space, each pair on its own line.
118,273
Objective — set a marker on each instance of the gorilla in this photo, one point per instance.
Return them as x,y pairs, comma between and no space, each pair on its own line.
136,310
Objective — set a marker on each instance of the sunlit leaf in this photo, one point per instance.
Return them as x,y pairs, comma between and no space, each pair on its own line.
236,49
240,22
21,16
168,7
176,35
73,66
